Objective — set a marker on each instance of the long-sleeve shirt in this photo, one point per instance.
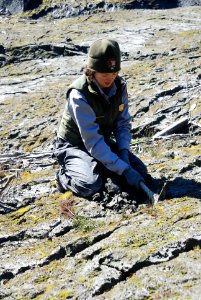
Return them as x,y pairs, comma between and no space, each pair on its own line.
85,118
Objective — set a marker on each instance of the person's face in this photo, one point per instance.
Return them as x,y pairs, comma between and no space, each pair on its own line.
105,80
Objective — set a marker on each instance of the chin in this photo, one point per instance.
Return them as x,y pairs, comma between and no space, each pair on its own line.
107,85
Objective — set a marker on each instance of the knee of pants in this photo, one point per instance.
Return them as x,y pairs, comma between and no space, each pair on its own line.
84,189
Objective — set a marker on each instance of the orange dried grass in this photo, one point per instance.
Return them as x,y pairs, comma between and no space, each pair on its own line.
66,207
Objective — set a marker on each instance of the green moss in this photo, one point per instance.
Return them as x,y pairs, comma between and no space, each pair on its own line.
49,287
197,248
20,212
47,1
82,279
64,294
41,279
137,244
2,174
65,196
136,281
85,224
29,176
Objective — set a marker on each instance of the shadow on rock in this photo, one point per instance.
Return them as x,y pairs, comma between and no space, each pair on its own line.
121,198
182,187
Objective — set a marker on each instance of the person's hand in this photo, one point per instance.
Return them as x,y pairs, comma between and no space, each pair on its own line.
153,198
124,155
133,178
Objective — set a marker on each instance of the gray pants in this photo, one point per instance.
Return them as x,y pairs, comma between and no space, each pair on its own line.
81,173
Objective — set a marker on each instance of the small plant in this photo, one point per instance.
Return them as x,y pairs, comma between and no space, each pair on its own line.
66,207
85,224
80,222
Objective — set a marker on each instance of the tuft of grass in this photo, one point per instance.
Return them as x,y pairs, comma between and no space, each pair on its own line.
85,224
66,207
82,223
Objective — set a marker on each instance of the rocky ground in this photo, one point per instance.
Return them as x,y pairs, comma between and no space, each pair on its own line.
100,250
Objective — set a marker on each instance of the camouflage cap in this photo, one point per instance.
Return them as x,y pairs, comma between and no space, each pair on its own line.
104,56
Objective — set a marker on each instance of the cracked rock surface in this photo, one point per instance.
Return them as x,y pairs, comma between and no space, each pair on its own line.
115,245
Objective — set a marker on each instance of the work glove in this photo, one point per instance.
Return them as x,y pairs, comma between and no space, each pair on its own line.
138,165
152,197
133,178
124,155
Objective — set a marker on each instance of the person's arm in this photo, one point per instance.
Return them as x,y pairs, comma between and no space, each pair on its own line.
122,125
85,118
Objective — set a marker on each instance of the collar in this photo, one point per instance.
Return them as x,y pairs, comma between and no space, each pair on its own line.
110,92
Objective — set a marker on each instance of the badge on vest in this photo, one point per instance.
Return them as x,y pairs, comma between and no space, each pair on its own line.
121,107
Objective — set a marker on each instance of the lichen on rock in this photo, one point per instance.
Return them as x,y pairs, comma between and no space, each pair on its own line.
104,250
